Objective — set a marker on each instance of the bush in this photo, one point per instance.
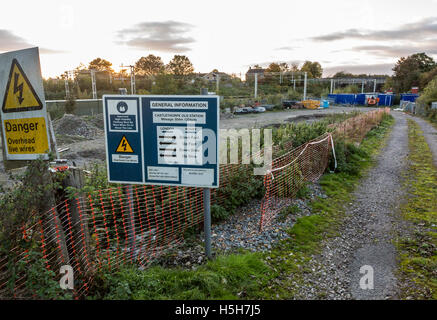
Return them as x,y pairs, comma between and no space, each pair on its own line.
241,188
429,95
23,205
293,95
352,88
348,157
70,105
218,213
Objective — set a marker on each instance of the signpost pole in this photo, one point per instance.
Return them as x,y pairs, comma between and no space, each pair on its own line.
207,220
131,222
207,208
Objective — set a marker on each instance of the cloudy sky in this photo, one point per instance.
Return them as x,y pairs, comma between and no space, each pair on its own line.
230,35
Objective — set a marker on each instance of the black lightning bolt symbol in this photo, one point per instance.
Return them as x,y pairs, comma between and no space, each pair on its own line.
123,144
18,88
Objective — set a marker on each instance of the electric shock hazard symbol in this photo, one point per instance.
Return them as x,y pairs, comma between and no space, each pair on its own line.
20,95
124,146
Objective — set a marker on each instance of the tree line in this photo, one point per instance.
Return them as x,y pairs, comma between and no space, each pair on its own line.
153,76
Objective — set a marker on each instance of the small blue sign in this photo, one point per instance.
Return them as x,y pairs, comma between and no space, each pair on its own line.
162,140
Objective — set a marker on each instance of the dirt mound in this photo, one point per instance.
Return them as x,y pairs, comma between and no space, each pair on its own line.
96,120
73,125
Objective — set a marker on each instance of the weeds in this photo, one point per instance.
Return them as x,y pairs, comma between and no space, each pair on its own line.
22,206
287,211
226,277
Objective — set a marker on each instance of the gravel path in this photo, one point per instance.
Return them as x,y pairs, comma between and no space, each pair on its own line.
366,236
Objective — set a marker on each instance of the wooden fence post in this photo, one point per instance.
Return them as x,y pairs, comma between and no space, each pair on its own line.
79,217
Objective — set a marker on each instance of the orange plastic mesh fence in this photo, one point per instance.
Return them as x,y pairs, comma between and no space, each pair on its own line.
138,223
290,172
307,162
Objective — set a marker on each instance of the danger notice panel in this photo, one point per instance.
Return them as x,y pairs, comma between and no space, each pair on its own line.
26,136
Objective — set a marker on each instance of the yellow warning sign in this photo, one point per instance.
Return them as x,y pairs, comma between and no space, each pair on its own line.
124,146
20,95
26,136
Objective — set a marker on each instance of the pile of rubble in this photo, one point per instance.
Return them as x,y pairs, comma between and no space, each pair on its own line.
72,125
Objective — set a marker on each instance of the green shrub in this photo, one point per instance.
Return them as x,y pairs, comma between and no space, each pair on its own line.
351,88
303,192
23,205
70,105
429,93
218,213
242,187
293,94
348,157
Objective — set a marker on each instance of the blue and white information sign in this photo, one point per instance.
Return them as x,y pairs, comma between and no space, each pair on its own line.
162,140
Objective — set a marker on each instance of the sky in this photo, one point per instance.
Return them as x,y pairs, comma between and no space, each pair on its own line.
228,35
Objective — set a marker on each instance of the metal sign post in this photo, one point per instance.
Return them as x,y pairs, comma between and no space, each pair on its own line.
207,221
207,209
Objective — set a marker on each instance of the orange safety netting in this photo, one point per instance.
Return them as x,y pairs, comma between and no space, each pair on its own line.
307,162
291,171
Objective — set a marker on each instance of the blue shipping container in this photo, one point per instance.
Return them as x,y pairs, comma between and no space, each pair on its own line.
385,99
361,99
345,98
409,97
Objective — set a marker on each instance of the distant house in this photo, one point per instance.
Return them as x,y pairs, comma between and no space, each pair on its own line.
212,76
250,74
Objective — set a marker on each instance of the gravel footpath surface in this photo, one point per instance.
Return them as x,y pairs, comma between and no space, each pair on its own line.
366,236
430,134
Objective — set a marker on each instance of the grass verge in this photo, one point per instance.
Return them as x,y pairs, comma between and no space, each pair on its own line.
226,277
418,252
271,275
